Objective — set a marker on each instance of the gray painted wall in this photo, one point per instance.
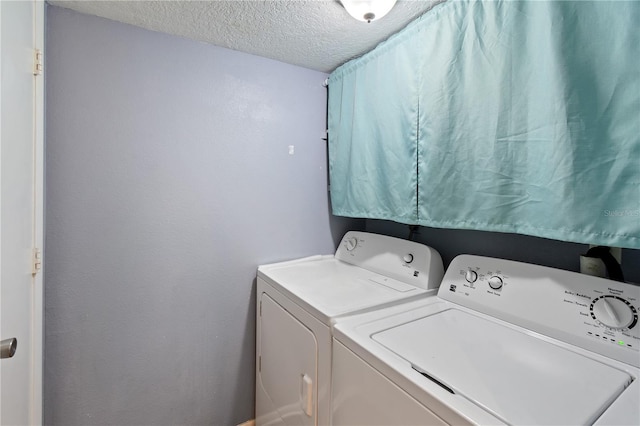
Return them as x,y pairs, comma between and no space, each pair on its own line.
168,180
523,248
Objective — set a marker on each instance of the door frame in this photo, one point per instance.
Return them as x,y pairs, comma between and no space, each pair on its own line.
36,307
37,335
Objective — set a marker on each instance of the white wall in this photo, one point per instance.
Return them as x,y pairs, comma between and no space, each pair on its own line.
168,180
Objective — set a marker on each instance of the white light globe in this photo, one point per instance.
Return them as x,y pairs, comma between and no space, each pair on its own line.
368,10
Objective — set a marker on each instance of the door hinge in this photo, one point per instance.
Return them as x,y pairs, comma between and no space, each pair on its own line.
36,261
260,308
38,66
259,363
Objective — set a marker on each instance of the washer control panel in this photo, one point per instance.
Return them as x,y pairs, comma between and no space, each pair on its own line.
594,313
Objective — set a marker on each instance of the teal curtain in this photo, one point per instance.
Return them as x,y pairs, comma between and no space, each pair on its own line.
373,133
528,121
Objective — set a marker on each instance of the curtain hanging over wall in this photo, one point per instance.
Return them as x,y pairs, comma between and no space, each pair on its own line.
376,116
527,120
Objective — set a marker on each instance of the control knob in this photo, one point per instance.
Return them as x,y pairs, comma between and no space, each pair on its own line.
471,276
495,282
351,243
408,258
614,312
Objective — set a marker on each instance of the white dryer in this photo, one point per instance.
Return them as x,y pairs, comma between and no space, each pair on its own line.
502,343
299,301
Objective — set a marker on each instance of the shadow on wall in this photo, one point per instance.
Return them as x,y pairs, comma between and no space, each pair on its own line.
246,356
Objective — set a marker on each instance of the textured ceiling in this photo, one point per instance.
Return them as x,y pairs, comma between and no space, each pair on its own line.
315,34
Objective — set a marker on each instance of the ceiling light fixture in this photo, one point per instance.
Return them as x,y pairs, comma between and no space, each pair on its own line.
368,10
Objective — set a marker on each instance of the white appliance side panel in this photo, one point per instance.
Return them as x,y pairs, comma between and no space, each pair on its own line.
288,364
362,396
509,373
264,407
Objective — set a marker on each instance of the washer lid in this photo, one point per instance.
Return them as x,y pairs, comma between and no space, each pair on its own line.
515,376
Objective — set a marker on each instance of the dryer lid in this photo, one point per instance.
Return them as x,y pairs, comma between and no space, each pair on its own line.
511,373
330,288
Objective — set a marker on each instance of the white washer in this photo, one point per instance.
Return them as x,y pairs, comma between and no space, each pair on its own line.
501,343
299,301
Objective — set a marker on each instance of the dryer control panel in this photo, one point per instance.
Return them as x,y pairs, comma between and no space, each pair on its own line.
403,260
596,314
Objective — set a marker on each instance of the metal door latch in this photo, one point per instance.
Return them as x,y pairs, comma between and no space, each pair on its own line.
8,348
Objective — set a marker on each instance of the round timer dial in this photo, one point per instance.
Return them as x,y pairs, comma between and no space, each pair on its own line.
471,276
495,282
351,243
614,312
